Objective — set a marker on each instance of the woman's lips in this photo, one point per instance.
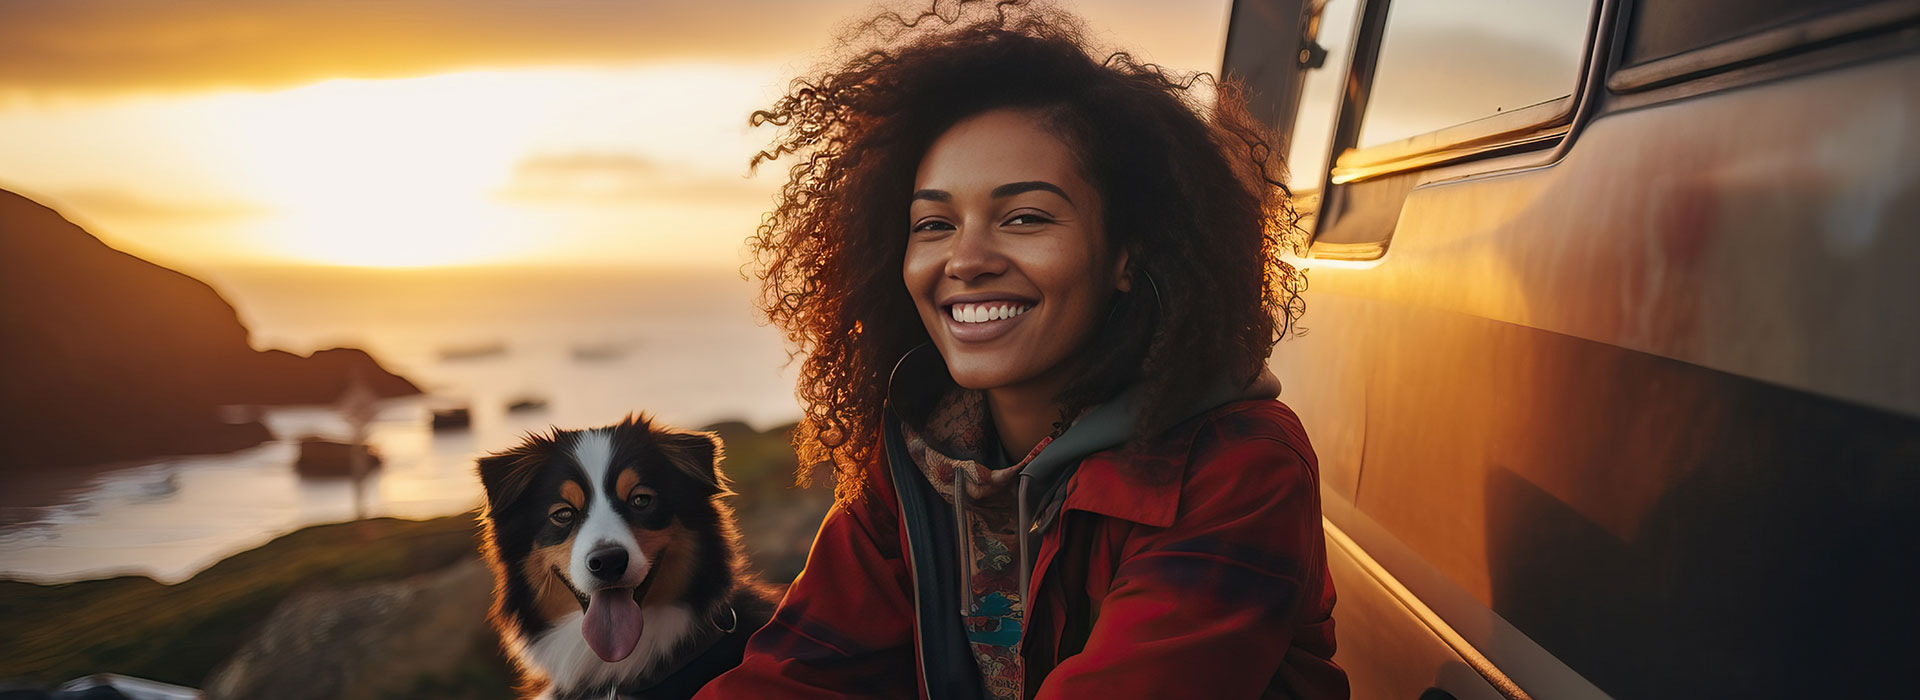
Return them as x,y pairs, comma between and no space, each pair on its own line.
983,331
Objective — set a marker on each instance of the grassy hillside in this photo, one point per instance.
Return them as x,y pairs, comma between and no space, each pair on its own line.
177,633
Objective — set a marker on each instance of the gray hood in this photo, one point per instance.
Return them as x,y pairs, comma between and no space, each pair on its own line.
921,377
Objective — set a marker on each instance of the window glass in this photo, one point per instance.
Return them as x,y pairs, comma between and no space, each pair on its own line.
1661,28
1320,96
1448,62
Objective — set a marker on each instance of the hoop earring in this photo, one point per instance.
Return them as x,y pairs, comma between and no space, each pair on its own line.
1155,286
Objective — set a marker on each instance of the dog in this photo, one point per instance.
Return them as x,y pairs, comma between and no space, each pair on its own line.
617,567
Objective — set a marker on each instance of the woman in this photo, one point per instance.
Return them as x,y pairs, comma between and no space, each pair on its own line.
1036,292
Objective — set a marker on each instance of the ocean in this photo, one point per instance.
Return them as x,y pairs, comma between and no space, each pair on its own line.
580,346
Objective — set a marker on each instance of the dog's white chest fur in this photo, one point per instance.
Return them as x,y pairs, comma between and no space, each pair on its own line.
562,653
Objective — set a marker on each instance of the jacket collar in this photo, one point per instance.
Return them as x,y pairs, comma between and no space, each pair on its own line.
1140,486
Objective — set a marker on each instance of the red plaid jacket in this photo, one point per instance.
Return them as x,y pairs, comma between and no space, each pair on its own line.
1195,568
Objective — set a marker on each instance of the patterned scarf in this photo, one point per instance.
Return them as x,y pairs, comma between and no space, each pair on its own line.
955,442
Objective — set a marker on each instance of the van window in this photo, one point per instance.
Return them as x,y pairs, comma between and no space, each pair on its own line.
1449,62
1662,28
1320,96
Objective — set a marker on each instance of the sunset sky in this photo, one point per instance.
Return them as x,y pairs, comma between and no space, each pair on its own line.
443,132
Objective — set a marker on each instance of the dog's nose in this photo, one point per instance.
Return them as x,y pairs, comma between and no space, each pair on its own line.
608,564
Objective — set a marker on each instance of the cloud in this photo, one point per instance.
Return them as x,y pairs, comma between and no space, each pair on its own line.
586,164
93,46
104,202
624,178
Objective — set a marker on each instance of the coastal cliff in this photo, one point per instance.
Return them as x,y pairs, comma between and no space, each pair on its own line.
107,357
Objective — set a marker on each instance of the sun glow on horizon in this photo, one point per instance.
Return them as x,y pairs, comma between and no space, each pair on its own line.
518,154
390,172
631,165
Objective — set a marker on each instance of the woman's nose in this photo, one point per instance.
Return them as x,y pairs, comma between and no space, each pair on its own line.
974,253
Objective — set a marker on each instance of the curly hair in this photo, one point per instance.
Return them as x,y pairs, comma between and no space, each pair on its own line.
1193,194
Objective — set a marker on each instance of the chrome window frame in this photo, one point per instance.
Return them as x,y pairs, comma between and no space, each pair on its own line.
1547,125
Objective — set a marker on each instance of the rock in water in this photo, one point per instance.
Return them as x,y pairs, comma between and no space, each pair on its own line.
322,457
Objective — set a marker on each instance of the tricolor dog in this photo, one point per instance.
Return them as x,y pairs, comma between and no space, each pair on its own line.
617,566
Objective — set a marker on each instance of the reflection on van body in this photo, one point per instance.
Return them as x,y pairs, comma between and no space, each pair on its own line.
1619,396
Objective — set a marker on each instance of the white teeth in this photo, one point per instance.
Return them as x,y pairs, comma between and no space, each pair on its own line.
982,313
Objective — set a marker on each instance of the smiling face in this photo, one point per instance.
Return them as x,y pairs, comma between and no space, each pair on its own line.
1007,259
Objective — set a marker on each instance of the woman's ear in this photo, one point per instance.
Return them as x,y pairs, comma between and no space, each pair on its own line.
1123,278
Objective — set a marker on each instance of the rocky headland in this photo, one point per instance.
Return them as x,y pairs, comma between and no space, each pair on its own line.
109,357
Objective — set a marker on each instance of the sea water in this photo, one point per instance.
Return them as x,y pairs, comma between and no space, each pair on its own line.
593,344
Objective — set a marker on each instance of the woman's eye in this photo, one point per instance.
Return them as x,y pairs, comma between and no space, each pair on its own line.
1028,220
933,225
561,516
640,500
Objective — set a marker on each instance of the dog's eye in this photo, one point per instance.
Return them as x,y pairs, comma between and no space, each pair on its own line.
641,500
561,516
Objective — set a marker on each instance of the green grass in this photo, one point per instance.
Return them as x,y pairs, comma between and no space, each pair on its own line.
178,633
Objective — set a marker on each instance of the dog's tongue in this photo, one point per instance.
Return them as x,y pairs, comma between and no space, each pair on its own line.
613,623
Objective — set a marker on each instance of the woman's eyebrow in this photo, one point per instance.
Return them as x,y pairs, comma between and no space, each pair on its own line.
1012,188
1007,190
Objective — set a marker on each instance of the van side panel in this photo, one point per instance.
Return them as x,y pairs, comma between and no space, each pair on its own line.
1656,405
1404,656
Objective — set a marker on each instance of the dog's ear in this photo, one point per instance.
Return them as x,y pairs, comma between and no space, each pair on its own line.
506,475
696,453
